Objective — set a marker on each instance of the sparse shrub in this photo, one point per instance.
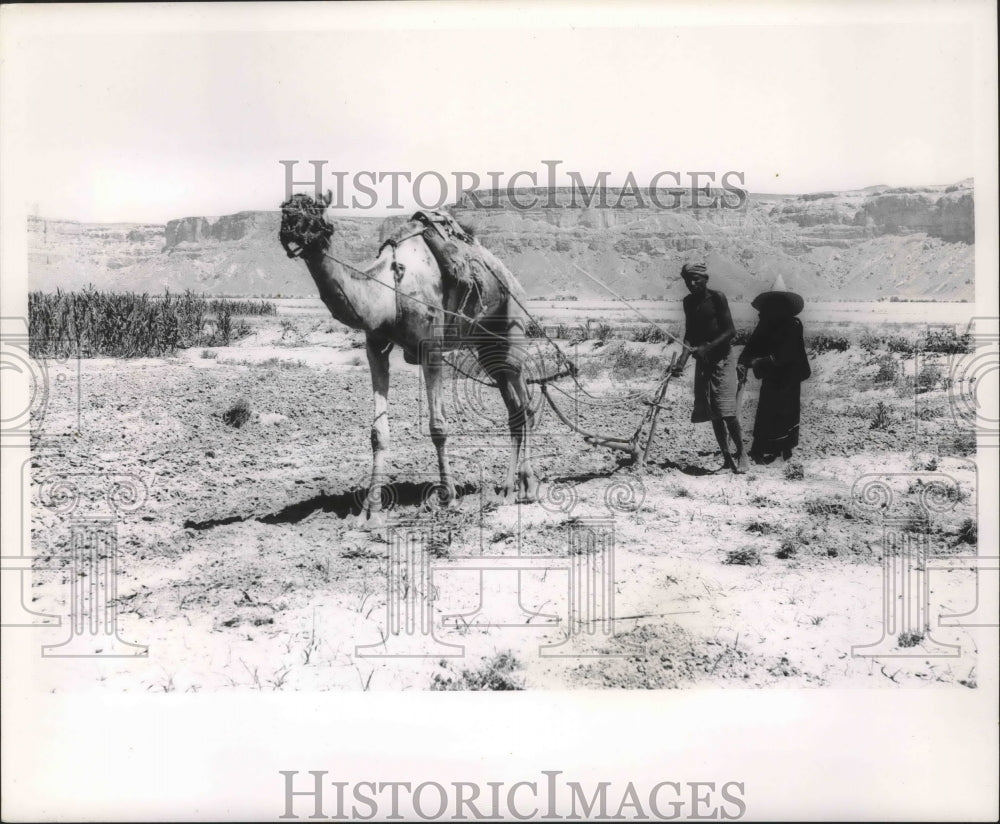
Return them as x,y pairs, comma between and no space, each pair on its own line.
928,377
534,329
603,331
968,532
826,507
745,556
886,370
760,528
237,414
945,341
649,334
871,343
910,639
881,416
787,550
208,354
794,471
823,342
283,363
899,344
495,674
626,361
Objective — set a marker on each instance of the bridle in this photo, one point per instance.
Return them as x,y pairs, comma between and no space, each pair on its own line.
309,229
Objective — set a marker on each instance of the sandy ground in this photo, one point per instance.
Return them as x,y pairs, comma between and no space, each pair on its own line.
246,566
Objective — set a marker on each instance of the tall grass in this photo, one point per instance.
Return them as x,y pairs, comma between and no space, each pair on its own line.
129,325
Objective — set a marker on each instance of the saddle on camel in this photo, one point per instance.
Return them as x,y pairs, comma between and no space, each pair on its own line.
467,278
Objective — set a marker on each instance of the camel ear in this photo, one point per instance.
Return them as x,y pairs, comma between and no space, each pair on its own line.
328,197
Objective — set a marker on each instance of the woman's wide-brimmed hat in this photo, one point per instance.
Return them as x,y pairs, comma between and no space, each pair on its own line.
779,301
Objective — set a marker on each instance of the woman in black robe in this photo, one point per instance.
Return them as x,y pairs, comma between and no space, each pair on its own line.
776,354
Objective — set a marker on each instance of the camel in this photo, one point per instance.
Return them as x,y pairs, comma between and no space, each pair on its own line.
398,300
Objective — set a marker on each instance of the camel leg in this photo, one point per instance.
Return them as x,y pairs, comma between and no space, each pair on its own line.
521,480
433,378
378,362
527,481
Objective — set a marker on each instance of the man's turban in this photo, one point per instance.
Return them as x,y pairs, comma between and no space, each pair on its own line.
691,269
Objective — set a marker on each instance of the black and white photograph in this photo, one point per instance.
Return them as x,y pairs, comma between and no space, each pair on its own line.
478,411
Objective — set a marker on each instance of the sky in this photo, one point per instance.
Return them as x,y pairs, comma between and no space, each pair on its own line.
193,119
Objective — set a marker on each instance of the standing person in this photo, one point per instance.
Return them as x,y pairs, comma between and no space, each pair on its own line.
776,353
709,332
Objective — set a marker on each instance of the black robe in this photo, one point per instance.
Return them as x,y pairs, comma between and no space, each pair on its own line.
780,340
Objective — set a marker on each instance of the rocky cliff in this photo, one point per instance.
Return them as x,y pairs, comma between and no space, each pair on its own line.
859,245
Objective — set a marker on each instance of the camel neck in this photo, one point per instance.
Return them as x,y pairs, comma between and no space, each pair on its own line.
348,295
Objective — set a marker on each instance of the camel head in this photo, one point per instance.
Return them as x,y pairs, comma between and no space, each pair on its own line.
304,225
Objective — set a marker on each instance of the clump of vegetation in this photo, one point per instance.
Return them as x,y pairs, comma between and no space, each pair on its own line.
886,369
760,528
242,307
968,532
744,556
910,639
945,341
129,325
626,361
534,329
824,342
825,507
900,344
602,332
794,471
881,416
928,377
787,550
649,334
237,414
496,673
208,354
283,363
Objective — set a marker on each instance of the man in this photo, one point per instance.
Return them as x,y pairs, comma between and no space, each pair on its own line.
709,332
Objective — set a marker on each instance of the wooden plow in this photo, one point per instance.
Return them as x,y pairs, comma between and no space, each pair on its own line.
636,446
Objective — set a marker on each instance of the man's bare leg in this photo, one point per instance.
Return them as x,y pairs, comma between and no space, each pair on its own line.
719,427
733,425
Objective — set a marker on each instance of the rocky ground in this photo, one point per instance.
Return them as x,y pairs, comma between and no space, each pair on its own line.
246,566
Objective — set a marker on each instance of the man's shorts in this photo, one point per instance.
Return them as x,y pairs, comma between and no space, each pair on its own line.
715,390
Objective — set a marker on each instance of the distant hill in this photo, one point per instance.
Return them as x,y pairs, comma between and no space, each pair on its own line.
867,244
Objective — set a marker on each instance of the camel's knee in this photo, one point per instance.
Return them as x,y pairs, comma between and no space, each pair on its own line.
517,418
439,433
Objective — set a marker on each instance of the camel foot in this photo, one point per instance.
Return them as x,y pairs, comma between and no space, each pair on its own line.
742,464
447,495
528,492
372,519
